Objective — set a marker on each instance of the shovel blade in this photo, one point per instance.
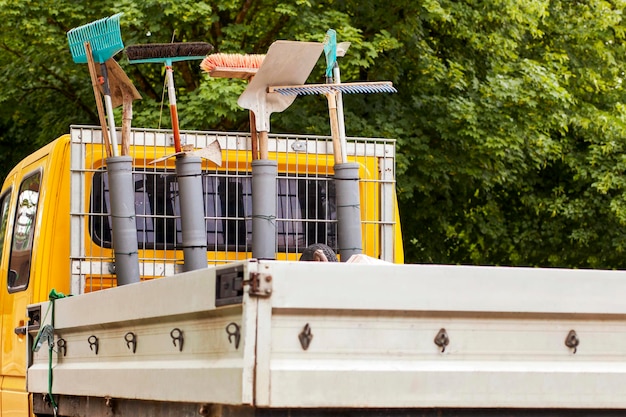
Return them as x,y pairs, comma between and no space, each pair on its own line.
212,153
286,63
122,88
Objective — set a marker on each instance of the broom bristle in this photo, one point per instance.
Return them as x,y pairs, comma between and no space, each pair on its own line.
167,50
233,61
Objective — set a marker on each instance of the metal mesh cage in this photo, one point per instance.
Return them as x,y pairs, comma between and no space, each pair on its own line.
305,200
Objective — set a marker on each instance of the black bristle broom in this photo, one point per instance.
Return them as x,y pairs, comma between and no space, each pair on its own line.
188,165
167,53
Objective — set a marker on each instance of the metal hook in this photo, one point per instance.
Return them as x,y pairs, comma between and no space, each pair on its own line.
305,337
61,345
131,339
572,341
232,329
442,340
93,343
47,398
177,336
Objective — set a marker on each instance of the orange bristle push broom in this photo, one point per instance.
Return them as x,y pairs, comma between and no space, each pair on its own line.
232,65
243,66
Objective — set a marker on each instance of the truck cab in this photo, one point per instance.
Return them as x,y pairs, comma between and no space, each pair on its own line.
34,250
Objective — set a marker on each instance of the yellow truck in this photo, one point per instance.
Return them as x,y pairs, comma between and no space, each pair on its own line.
103,314
56,226
260,337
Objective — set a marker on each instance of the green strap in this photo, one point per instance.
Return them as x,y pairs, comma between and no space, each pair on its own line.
48,333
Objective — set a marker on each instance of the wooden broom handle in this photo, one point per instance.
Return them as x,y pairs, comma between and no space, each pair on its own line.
334,126
96,92
127,117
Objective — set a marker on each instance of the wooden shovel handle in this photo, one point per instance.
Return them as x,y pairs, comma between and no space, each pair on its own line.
254,137
263,145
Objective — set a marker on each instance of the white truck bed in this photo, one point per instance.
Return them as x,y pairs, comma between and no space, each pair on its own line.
372,344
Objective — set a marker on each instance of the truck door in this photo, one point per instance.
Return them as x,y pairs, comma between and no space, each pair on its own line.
5,206
20,243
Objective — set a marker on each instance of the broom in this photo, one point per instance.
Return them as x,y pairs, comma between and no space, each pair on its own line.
105,40
236,66
188,167
96,92
168,53
232,65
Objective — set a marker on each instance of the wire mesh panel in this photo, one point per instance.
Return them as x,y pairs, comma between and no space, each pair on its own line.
305,200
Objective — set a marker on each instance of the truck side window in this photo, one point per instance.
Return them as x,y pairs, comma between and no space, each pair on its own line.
4,216
305,211
23,233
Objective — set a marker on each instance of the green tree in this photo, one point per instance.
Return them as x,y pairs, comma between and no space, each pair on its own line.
44,91
522,117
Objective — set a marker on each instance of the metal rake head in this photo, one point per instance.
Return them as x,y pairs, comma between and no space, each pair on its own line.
346,88
103,35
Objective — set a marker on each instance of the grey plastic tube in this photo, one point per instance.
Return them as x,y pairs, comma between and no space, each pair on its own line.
264,175
191,199
124,233
349,236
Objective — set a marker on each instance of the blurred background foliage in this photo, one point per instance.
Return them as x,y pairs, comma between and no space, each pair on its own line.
510,116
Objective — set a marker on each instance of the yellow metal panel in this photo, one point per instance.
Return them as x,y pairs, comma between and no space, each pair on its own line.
15,402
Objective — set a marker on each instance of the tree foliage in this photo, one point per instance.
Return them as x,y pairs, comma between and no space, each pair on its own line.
520,133
510,115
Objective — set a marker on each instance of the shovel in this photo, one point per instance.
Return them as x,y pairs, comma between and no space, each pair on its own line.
286,62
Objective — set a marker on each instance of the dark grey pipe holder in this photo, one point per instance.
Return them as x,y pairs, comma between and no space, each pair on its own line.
191,199
124,227
349,235
264,173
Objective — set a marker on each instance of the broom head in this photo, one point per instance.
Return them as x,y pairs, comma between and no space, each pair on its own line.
103,35
167,52
232,65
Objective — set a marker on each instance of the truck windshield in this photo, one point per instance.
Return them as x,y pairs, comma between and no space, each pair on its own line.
23,233
305,211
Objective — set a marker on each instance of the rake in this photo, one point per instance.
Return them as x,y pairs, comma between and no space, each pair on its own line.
105,40
346,88
332,92
346,174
